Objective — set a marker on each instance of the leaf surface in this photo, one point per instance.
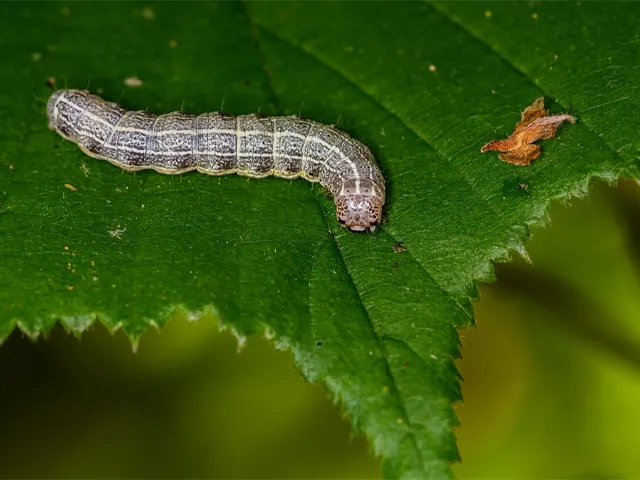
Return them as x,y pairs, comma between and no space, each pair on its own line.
423,85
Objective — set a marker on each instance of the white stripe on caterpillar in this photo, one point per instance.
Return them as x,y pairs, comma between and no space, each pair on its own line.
219,144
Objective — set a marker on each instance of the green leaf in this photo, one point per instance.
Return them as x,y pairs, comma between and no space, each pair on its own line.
424,85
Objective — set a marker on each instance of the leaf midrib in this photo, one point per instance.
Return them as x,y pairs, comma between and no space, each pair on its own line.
354,287
395,116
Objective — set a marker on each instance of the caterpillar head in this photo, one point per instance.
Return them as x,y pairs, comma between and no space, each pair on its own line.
362,210
51,106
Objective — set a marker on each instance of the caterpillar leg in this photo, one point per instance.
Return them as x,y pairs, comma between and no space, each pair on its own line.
89,153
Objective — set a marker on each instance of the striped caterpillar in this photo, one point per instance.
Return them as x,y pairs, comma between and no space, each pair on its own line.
219,144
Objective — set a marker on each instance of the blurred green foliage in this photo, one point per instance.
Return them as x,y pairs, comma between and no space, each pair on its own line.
188,404
551,381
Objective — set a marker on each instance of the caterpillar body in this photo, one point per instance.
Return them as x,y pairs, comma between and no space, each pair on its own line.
220,144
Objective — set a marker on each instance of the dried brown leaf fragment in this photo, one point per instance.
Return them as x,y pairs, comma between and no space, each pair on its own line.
535,124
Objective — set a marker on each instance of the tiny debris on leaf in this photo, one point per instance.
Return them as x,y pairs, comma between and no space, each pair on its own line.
133,81
399,247
70,187
535,124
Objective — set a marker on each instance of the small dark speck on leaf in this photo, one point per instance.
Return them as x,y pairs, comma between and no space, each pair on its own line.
50,82
399,247
516,187
318,344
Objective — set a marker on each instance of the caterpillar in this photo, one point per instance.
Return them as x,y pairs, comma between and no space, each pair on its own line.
220,144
